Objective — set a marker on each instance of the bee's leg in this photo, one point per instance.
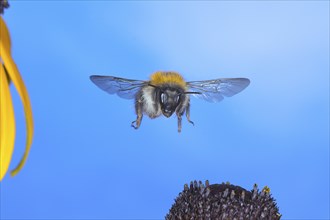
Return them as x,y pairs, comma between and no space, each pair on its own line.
188,114
137,122
179,115
138,110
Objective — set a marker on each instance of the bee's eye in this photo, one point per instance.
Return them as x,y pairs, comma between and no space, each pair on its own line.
163,98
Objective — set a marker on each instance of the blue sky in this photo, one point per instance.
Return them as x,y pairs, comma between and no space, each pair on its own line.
87,162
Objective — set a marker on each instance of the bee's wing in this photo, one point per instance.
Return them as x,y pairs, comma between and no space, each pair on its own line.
124,88
215,90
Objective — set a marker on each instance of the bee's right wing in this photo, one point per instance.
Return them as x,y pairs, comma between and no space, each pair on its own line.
124,88
215,90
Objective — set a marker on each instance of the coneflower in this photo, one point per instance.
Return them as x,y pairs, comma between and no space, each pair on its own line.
223,201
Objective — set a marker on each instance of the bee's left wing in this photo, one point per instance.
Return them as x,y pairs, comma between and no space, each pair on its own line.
215,90
124,88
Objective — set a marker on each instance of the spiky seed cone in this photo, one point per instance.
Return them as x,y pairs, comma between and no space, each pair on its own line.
223,202
3,4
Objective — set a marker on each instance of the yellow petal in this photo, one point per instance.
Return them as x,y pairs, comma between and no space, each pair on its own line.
16,78
5,34
7,124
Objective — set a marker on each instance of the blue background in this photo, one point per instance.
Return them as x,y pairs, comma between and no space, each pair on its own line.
87,162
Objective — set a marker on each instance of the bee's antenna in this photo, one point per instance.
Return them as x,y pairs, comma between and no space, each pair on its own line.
192,93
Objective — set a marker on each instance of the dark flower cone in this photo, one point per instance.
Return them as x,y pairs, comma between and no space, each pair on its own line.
224,202
3,4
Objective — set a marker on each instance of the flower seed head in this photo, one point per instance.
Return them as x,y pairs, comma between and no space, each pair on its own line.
223,201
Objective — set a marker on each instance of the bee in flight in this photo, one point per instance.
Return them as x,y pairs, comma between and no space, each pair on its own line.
167,92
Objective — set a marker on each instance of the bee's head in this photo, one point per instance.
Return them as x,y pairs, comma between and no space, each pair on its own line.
169,99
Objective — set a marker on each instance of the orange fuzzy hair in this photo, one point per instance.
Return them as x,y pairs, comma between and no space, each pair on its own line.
159,78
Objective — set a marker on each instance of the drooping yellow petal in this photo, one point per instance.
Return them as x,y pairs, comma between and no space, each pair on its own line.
7,124
5,37
16,78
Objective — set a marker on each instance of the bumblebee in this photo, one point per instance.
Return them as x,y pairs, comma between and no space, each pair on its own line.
167,92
